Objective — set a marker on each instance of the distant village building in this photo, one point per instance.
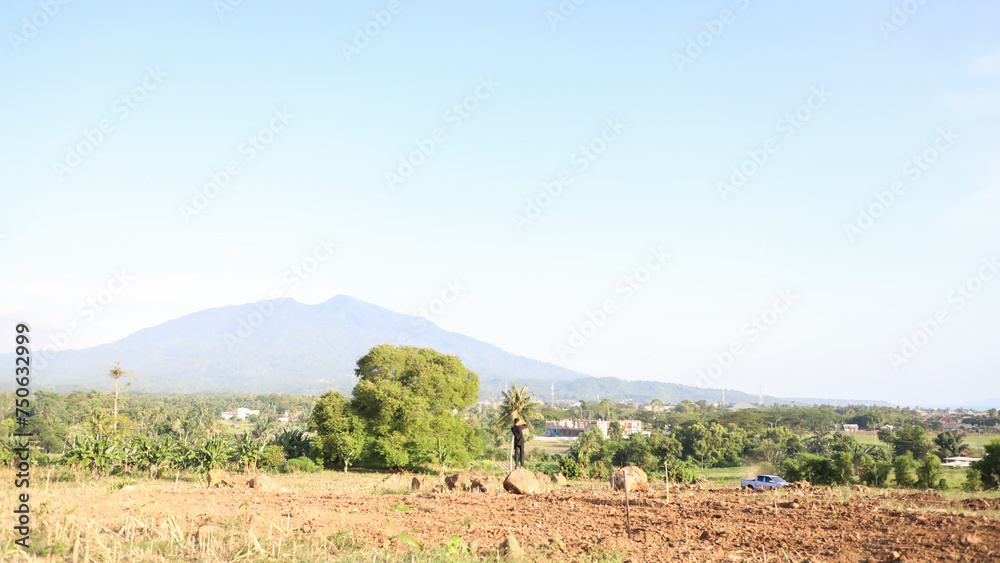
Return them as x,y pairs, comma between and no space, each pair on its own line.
851,428
572,428
959,461
741,406
240,414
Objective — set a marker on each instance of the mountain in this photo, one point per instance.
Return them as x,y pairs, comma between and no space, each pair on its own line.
597,388
279,346
283,346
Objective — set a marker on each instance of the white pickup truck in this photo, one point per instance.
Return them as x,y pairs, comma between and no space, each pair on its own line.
763,483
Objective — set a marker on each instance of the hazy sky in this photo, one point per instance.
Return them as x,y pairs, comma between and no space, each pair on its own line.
800,195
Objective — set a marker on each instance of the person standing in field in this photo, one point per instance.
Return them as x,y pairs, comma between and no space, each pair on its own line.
518,431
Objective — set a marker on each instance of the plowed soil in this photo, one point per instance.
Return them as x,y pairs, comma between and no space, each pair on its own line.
725,524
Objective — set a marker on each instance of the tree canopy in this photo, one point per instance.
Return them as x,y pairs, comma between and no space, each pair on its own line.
411,401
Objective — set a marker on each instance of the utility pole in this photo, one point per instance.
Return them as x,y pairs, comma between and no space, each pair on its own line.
552,389
760,400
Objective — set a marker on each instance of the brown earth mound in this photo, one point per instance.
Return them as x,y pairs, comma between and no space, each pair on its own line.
709,525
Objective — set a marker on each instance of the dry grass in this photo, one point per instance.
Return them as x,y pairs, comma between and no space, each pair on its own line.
139,535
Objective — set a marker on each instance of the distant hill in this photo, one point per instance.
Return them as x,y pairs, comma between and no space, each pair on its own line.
596,388
295,348
284,346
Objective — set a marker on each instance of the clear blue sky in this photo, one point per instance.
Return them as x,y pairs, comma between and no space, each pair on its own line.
694,91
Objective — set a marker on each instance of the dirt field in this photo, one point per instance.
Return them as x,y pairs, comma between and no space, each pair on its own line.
564,524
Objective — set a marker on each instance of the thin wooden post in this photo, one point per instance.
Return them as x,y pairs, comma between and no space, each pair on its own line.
666,478
628,517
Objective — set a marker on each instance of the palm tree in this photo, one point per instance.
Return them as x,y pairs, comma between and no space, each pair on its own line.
517,404
607,405
116,373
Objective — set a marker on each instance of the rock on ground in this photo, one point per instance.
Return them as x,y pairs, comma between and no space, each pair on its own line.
521,482
463,480
559,479
510,547
483,485
629,476
218,477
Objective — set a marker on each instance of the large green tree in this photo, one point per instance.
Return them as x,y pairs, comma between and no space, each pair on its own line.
340,434
909,439
412,400
950,444
989,466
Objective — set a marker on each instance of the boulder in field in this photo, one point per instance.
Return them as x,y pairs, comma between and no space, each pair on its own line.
217,477
483,485
634,478
521,482
510,546
559,479
463,480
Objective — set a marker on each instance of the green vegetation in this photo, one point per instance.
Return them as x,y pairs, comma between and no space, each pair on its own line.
989,467
411,408
405,411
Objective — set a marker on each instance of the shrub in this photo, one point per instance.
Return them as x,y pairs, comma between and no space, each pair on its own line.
569,467
682,471
902,471
989,466
273,458
537,454
303,464
973,481
928,472
597,471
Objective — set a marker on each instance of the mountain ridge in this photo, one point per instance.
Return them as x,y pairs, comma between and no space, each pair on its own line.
284,346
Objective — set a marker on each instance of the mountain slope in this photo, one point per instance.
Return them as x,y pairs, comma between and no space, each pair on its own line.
280,346
284,346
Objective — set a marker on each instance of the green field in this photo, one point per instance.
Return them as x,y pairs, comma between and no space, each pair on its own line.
976,441
551,447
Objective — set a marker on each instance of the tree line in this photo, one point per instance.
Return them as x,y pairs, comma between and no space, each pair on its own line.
414,408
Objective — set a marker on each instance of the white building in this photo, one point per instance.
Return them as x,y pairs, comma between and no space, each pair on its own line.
240,414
